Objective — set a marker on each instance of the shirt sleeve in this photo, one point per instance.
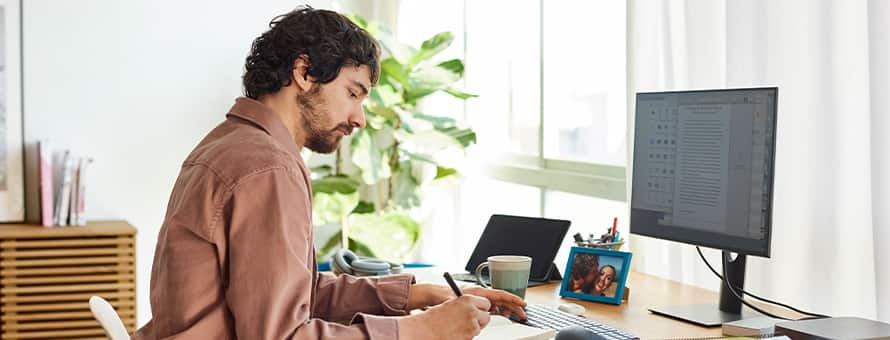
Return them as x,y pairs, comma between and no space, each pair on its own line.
341,297
270,284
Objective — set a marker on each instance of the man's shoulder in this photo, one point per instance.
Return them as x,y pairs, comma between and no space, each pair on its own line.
233,153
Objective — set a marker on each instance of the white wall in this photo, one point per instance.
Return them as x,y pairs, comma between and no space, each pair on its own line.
135,85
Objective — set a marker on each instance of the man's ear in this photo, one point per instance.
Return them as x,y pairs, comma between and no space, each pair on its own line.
301,75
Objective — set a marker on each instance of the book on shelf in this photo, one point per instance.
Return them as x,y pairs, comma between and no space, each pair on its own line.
58,183
80,207
64,198
45,176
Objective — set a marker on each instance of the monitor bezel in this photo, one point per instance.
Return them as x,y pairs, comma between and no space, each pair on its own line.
703,240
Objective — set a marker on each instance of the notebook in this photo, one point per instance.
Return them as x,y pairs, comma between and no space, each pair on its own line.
501,328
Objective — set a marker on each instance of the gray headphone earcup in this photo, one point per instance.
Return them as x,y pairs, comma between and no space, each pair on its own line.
342,260
366,266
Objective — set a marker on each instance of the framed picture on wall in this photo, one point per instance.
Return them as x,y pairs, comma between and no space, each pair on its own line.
12,202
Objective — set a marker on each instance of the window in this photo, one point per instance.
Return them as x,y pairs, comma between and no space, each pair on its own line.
503,68
552,110
550,117
584,81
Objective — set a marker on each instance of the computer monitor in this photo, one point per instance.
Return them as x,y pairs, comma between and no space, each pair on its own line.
703,175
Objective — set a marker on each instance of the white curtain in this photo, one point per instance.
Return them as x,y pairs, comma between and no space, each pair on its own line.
831,217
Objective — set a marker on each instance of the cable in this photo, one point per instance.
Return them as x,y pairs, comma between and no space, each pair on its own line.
733,288
815,316
737,296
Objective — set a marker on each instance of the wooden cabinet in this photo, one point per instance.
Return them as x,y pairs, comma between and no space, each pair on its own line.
47,276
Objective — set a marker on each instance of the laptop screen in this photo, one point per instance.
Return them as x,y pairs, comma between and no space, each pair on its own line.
538,238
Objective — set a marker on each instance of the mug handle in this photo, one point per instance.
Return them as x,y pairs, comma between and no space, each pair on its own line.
479,279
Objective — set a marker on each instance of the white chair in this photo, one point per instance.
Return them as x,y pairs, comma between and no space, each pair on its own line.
108,318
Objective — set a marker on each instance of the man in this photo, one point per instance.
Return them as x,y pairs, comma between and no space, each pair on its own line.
235,257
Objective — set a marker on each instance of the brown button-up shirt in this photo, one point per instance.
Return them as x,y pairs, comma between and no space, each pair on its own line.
235,257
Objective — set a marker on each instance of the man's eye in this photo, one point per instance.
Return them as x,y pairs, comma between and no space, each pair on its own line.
352,94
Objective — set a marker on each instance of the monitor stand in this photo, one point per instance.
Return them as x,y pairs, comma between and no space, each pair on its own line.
712,315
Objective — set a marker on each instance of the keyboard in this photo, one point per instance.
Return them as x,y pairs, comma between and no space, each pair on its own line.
550,318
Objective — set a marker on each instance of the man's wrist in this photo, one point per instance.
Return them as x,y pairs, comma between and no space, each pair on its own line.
425,294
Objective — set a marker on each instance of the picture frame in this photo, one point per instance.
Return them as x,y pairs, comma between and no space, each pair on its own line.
604,284
12,191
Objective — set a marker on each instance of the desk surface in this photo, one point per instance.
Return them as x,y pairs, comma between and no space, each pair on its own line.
633,315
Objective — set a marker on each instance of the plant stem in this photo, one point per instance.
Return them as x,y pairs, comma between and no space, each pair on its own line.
344,233
337,163
393,164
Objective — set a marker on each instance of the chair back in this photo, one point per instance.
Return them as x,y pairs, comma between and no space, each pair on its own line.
108,318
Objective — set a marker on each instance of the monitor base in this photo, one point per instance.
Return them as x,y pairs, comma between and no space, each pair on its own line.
706,315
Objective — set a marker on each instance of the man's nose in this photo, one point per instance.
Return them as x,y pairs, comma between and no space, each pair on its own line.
357,118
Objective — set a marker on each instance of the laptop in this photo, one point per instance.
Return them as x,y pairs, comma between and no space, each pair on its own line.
538,238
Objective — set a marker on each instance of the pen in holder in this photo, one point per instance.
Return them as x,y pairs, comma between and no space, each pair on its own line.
601,245
606,241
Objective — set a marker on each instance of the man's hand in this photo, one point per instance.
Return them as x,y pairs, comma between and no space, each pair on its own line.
462,318
501,302
423,295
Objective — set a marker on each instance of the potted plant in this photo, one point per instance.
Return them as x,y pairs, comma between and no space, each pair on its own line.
376,178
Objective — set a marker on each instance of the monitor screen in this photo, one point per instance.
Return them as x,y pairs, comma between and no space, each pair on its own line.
703,168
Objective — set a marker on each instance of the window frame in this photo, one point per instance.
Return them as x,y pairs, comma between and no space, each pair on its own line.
598,180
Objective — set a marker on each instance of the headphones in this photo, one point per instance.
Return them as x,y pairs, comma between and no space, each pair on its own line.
345,261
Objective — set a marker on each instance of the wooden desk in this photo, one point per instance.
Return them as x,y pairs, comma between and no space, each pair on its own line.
633,315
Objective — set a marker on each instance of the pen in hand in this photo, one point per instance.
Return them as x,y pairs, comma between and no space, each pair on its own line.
453,285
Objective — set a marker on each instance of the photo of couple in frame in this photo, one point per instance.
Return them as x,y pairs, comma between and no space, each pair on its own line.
596,275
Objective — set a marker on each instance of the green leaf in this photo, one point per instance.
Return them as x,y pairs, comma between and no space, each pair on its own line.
321,170
433,77
419,156
430,141
382,112
332,207
369,158
454,65
390,236
333,197
442,171
430,79
464,136
431,47
413,95
406,119
363,207
335,184
360,248
392,68
374,120
406,188
385,95
382,100
460,94
437,121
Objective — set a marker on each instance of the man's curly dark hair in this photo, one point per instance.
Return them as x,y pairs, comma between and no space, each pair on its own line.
583,264
327,39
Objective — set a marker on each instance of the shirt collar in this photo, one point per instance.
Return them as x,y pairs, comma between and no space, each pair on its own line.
265,118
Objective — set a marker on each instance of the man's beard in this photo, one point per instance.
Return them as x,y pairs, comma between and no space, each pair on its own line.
318,138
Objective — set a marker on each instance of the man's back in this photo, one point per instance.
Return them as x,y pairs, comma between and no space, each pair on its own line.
235,257
193,252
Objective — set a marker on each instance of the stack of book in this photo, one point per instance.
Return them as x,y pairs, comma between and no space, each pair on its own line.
62,186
